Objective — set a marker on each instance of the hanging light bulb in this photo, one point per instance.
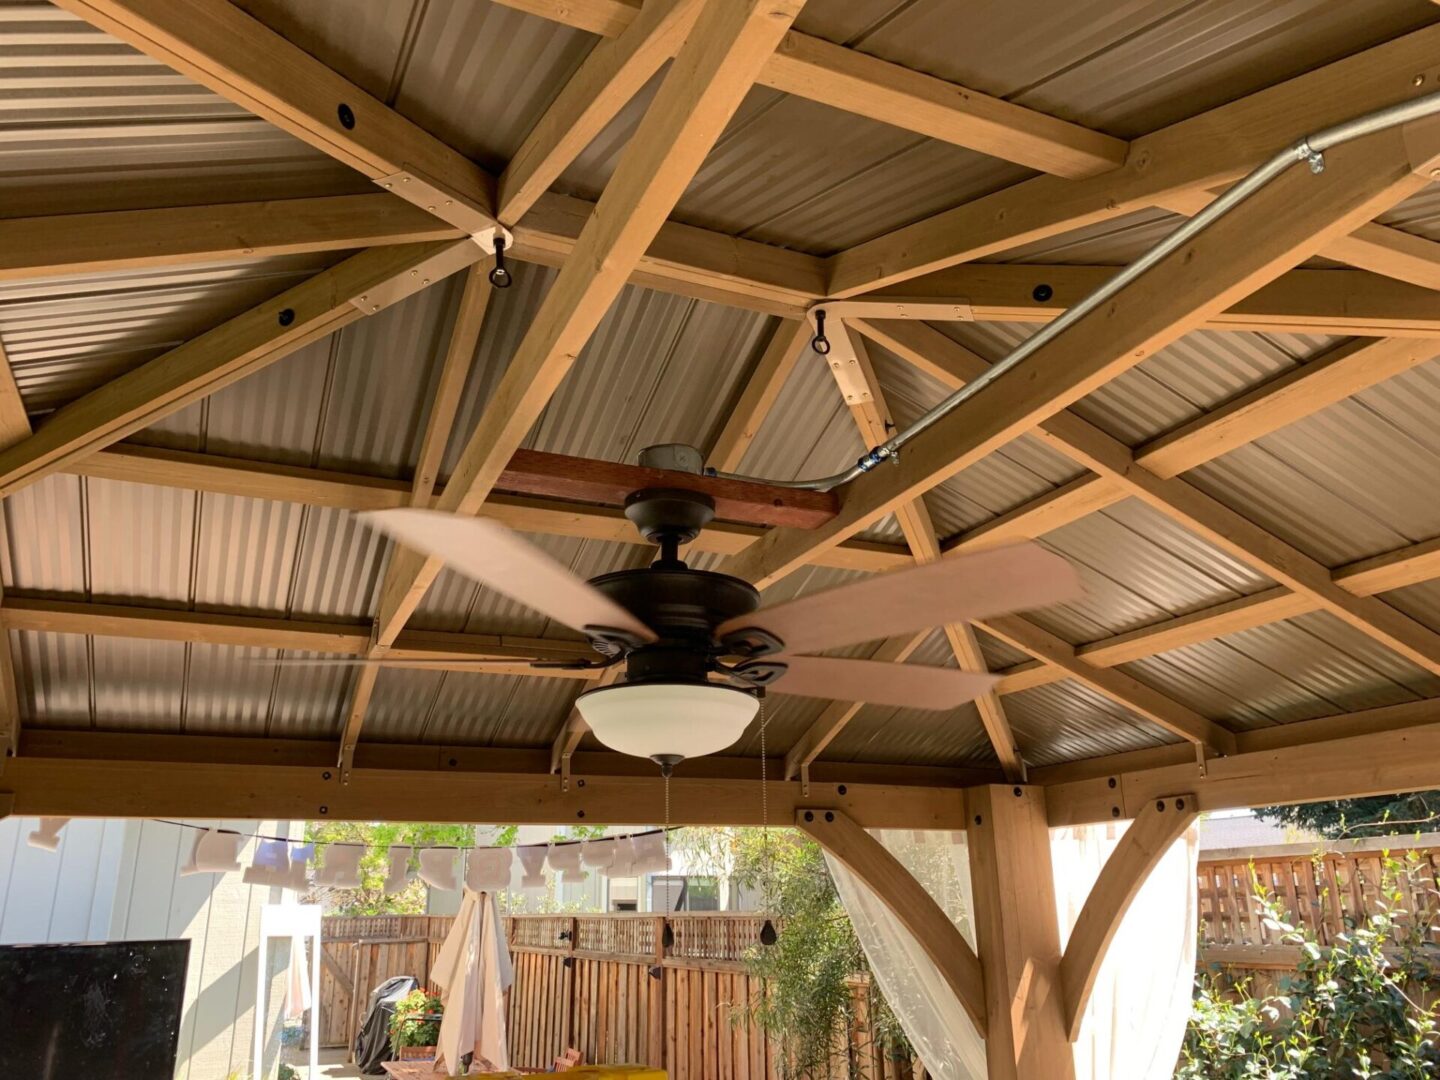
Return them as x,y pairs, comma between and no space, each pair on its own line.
768,936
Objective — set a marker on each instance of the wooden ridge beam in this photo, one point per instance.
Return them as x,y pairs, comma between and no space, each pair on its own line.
182,235
1337,302
1203,152
704,86
1263,237
852,81
109,786
192,471
1156,827
236,56
915,909
246,343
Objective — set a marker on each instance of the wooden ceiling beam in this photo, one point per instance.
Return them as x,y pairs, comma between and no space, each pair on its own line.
253,340
855,82
1278,226
1203,152
1354,765
242,477
115,240
704,86
614,72
70,775
14,428
1336,302
224,49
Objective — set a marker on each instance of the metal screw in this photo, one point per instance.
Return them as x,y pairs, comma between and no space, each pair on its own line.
325,775
809,816
978,819
579,813
1114,811
324,809
1179,804
841,789
454,762
287,316
829,816
579,783
347,117
1112,781
1017,792
1042,292
1418,80
1160,804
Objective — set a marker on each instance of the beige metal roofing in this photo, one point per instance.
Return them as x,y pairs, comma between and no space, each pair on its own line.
87,123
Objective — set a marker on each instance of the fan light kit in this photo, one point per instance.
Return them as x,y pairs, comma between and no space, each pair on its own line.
697,646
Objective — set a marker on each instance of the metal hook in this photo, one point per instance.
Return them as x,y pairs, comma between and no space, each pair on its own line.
500,277
820,343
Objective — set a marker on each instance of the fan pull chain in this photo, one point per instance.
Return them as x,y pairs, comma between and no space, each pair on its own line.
767,932
669,877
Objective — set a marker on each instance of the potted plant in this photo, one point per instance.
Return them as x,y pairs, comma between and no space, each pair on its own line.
415,1026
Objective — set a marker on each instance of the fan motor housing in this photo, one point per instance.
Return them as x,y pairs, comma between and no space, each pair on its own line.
683,607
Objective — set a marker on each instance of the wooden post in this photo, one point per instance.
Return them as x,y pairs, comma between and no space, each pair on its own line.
1018,934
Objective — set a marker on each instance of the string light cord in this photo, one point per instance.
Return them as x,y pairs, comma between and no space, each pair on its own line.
418,847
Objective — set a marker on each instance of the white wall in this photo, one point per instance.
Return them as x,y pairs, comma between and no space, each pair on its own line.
117,880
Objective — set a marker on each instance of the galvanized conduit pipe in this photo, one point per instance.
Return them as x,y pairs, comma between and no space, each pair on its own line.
1309,149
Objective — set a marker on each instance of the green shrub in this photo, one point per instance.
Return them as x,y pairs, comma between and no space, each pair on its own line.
1353,1009
409,1026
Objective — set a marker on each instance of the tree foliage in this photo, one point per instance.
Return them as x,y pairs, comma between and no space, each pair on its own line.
810,1000
1354,1009
1383,815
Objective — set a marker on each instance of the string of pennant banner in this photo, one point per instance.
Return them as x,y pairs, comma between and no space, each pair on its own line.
285,863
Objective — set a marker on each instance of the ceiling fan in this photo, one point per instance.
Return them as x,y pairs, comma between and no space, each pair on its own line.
696,645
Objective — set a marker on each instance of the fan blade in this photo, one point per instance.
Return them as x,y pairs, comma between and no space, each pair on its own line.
910,686
501,560
957,589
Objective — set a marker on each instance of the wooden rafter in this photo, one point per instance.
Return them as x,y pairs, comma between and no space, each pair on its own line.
613,73
907,900
1339,302
1203,152
1157,825
852,81
1265,235
311,310
849,360
703,88
1305,389
14,428
236,56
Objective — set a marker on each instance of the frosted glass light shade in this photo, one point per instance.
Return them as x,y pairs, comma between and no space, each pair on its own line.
683,719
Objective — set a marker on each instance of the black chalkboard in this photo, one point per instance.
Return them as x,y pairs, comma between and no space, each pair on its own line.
102,1012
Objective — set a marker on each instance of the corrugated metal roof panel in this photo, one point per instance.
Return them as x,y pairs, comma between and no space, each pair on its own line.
310,702
1283,672
245,553
1358,478
1139,567
228,690
1421,602
339,567
45,529
809,431
52,677
142,540
138,685
468,709
385,370
1065,721
913,737
65,336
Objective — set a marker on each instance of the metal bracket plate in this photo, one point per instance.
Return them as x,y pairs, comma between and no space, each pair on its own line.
431,195
448,260
805,781
953,309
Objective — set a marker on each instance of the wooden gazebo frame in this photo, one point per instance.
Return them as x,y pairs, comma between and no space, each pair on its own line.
434,214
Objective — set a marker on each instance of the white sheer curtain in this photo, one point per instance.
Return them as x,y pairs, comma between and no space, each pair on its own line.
1137,1013
931,1015
1136,1018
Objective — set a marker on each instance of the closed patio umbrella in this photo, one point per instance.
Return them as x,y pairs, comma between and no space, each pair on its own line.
473,972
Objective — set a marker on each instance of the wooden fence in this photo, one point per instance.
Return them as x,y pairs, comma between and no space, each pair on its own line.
604,984
1327,889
